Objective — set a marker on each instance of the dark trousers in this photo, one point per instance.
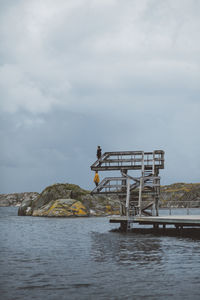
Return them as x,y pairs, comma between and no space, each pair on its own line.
98,159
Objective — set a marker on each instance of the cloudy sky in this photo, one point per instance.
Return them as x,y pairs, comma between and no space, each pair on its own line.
75,74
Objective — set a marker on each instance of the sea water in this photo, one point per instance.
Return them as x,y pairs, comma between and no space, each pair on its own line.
83,258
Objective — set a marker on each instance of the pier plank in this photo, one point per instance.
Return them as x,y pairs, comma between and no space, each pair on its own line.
164,220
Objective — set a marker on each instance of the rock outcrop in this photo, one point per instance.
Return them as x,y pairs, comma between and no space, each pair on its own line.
62,208
16,199
180,195
68,200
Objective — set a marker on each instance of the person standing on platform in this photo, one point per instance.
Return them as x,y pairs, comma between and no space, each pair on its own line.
99,153
96,178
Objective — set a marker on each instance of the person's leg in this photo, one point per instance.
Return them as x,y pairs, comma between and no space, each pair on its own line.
99,161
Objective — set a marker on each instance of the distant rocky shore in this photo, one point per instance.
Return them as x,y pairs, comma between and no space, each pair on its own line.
16,199
180,195
68,200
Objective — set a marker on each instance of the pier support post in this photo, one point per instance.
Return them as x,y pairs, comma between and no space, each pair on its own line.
127,196
157,206
140,196
124,226
123,201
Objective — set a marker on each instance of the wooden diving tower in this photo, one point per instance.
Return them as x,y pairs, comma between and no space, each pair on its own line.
136,193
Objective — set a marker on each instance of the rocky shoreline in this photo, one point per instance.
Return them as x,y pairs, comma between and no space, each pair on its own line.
16,199
180,195
69,200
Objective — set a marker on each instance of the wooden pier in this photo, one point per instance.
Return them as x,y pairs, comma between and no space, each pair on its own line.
178,221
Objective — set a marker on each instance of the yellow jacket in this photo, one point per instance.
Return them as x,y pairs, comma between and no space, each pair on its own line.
96,178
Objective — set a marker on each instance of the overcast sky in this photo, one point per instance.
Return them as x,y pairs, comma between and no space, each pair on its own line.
75,74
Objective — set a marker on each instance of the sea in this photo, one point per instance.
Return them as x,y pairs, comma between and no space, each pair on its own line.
89,258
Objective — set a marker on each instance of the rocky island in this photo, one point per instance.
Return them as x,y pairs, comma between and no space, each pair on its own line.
68,200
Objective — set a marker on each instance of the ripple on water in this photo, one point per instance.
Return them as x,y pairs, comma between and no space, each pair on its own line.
83,259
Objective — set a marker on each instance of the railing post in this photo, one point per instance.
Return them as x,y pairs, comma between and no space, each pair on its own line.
140,196
142,163
141,186
153,164
188,208
127,195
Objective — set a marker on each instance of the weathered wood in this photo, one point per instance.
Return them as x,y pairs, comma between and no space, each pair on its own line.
133,152
182,221
140,196
146,186
129,160
125,167
106,183
116,160
127,196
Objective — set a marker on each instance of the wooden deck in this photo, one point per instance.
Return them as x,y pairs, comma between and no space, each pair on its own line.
129,160
177,221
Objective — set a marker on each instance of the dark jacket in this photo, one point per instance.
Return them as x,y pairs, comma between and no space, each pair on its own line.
98,153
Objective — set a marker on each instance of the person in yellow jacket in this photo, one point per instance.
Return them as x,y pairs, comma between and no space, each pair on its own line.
96,178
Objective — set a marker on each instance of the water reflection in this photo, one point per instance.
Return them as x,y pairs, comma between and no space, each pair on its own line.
125,248
186,232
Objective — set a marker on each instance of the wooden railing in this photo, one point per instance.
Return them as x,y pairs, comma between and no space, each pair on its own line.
129,160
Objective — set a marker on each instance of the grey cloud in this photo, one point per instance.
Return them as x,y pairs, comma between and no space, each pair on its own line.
75,74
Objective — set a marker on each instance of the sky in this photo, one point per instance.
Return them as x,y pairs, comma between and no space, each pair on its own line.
75,74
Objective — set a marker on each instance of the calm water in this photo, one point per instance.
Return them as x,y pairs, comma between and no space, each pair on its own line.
44,258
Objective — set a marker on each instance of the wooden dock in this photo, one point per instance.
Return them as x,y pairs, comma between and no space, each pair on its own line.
177,221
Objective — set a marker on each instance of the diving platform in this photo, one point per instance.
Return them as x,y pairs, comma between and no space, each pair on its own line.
133,192
129,160
137,194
